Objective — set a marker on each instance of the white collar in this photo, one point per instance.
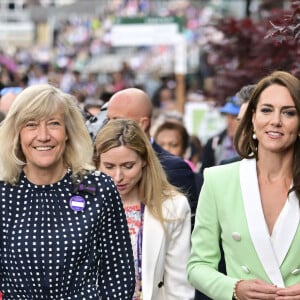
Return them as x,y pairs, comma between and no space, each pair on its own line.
271,250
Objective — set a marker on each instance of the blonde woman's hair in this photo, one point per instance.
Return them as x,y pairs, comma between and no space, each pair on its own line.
38,102
154,187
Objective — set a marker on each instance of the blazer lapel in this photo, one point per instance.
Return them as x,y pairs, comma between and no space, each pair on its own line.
152,239
286,227
256,221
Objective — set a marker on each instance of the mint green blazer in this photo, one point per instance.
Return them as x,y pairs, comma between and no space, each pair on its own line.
229,209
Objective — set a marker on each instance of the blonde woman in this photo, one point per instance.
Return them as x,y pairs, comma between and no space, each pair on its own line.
158,215
59,219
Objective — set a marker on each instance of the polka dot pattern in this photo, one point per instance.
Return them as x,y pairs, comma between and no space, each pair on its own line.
49,251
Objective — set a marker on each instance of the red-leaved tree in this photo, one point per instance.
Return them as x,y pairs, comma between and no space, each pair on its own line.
253,48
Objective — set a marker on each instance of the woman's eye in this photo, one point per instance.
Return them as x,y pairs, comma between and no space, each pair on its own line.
54,123
290,113
174,145
265,110
128,166
108,167
31,124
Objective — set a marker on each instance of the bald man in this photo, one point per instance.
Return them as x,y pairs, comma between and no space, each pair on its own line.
131,103
6,101
134,104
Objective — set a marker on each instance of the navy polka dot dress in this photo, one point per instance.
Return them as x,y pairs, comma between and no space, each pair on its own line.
49,250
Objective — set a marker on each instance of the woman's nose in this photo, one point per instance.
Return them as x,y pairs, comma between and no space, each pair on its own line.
276,119
167,147
118,175
43,132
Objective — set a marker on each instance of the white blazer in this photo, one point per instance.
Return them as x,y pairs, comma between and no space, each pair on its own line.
165,253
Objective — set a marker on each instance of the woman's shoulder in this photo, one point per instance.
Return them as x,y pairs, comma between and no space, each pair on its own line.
97,175
222,170
177,204
98,178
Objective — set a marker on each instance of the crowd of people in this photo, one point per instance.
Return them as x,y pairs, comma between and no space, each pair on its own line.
128,214
105,194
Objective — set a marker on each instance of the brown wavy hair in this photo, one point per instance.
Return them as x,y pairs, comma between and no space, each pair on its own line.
245,145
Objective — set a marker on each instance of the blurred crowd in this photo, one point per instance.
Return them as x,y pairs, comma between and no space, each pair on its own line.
70,64
78,40
70,61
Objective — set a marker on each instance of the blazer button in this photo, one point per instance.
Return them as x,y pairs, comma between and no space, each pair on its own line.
236,236
245,269
295,272
160,284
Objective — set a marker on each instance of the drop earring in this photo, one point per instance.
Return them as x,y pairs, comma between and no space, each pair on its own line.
254,135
